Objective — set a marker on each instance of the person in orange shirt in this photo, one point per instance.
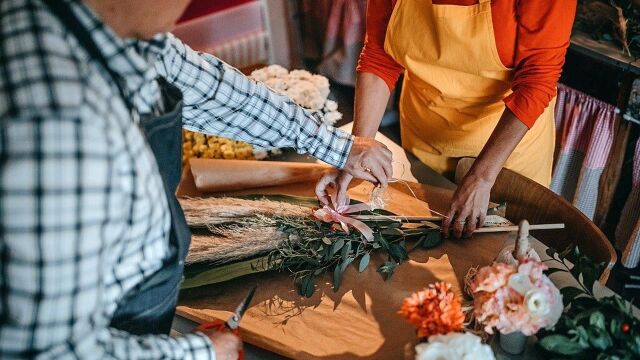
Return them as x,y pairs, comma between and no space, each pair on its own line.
479,81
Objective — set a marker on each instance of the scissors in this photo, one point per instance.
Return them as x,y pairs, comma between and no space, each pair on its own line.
233,322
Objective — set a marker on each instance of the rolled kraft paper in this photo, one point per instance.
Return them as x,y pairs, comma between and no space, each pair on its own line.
214,175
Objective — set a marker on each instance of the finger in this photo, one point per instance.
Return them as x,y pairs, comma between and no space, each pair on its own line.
321,188
472,223
387,167
446,223
459,224
481,219
343,186
379,174
364,175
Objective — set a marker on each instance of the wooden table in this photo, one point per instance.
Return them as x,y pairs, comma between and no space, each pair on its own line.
437,191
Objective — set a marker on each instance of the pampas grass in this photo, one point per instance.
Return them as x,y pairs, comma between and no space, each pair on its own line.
233,229
211,211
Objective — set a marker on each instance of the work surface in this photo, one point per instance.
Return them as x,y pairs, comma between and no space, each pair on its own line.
462,254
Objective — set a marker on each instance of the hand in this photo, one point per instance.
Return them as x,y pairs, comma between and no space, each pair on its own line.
226,344
468,207
332,188
369,160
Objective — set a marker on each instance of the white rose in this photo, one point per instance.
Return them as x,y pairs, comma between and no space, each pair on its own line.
276,71
314,102
465,346
321,83
433,351
276,84
330,106
520,283
332,117
259,74
557,307
537,303
300,74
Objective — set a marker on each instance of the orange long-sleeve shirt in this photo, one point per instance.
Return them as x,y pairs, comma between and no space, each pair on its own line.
532,36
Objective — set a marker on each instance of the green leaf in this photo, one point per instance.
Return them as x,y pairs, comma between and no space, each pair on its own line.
550,271
551,253
599,338
392,231
364,262
569,293
432,240
339,271
397,252
326,240
307,286
339,244
337,278
346,249
387,269
345,264
383,243
561,344
597,319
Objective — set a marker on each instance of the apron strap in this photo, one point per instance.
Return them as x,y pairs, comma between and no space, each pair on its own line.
483,1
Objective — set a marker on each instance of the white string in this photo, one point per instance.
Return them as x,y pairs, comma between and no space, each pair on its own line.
377,200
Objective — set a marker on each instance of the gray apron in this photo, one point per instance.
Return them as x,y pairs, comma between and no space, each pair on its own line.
149,308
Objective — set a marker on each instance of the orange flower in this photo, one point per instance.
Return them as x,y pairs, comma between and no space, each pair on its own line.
434,310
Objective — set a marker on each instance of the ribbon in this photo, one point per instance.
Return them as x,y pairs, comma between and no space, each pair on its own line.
339,215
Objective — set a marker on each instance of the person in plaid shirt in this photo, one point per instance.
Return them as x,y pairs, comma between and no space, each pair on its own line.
91,240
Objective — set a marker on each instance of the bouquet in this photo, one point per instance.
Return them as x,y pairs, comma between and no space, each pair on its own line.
437,314
238,236
514,298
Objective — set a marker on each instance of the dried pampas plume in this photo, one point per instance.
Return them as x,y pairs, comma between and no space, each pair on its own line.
232,229
206,212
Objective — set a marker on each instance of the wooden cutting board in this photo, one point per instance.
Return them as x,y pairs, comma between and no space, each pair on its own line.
357,322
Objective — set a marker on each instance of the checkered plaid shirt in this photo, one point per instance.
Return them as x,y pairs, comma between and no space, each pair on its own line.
83,213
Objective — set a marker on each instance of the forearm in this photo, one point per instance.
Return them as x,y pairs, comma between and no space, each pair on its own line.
221,101
504,139
372,95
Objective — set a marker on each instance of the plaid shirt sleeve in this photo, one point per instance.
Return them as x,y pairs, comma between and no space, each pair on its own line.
220,100
61,211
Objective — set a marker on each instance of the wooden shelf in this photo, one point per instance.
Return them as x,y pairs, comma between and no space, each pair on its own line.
605,52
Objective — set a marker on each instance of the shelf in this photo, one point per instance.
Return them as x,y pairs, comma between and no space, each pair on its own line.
605,52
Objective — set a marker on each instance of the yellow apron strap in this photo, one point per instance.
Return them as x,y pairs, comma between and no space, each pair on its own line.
483,1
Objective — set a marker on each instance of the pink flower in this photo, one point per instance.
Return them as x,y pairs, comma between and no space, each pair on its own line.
510,298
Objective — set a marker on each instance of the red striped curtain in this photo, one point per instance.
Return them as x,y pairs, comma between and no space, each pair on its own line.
628,229
584,137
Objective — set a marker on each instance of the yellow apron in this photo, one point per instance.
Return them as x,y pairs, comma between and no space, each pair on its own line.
454,85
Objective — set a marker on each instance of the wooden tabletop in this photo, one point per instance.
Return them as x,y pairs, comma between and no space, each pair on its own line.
436,191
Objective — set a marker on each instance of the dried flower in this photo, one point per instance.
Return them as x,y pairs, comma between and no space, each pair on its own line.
434,310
